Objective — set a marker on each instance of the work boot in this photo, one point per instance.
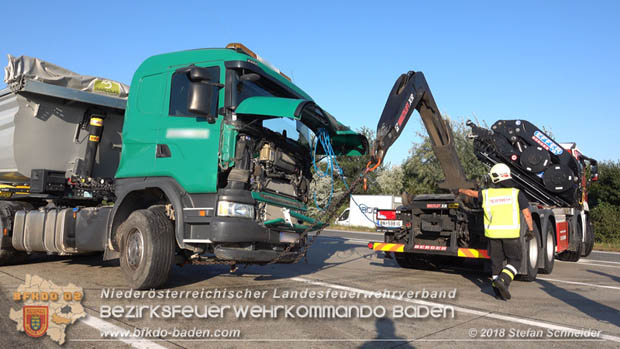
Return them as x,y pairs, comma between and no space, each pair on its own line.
503,281
496,291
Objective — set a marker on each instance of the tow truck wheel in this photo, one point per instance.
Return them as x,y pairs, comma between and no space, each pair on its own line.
589,240
548,250
405,259
147,248
8,255
531,257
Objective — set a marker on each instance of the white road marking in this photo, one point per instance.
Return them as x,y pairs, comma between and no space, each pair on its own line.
596,261
594,264
580,283
509,318
136,342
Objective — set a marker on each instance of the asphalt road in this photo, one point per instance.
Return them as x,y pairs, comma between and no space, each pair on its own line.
543,313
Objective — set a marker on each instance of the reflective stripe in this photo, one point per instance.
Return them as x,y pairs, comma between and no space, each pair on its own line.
381,246
487,209
509,273
513,269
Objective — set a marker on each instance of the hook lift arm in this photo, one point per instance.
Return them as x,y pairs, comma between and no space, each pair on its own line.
411,92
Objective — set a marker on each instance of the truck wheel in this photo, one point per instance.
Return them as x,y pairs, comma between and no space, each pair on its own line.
405,259
147,248
8,255
531,257
589,240
573,256
548,250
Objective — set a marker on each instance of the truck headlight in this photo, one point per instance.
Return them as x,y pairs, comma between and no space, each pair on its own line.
234,209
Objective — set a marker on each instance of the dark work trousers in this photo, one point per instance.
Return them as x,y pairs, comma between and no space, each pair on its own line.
504,249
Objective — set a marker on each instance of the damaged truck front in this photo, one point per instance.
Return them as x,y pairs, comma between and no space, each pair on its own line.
215,167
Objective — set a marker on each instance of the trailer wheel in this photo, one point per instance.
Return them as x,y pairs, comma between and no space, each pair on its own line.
405,259
548,250
8,255
147,248
531,256
589,240
573,256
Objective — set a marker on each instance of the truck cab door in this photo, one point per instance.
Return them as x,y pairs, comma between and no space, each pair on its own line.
188,143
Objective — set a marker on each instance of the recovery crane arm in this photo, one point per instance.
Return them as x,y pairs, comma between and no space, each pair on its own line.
411,92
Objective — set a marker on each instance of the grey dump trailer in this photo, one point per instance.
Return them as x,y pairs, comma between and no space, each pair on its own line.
46,139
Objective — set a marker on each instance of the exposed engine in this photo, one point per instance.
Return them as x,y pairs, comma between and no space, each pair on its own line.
269,162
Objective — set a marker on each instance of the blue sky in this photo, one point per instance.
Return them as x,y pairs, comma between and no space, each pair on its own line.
554,63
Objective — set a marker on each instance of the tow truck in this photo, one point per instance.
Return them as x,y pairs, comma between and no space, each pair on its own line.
554,177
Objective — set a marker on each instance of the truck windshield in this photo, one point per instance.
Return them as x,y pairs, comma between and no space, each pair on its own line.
291,129
243,88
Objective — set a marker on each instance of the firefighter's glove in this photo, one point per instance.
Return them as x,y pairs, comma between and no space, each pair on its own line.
529,235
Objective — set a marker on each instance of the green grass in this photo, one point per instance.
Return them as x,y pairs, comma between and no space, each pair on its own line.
607,246
353,228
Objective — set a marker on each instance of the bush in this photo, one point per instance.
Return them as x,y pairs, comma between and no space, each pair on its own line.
606,221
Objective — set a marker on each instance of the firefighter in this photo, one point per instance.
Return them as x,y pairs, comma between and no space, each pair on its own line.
502,227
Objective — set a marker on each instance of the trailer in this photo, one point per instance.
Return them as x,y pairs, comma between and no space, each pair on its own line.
205,159
554,177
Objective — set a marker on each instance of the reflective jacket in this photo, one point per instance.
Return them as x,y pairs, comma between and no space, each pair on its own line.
501,213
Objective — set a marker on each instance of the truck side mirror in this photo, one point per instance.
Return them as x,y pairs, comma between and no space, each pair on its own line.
593,173
203,94
203,100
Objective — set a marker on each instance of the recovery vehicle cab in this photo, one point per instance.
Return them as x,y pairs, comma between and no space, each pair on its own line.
205,159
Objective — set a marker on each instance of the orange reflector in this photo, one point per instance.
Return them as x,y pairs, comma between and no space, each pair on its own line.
380,246
5,232
472,253
202,213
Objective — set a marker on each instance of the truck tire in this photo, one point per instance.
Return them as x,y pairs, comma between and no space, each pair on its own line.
147,248
573,256
530,255
405,259
8,255
548,250
589,240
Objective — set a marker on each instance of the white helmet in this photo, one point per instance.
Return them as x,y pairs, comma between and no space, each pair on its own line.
499,172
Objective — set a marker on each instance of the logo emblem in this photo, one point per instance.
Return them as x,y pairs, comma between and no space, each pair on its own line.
35,320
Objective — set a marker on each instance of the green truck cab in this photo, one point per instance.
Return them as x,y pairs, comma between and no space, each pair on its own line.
214,167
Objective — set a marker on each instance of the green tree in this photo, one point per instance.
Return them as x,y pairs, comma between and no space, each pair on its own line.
422,171
391,180
604,199
353,166
607,188
606,221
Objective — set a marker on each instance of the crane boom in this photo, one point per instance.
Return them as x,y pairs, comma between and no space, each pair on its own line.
411,92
